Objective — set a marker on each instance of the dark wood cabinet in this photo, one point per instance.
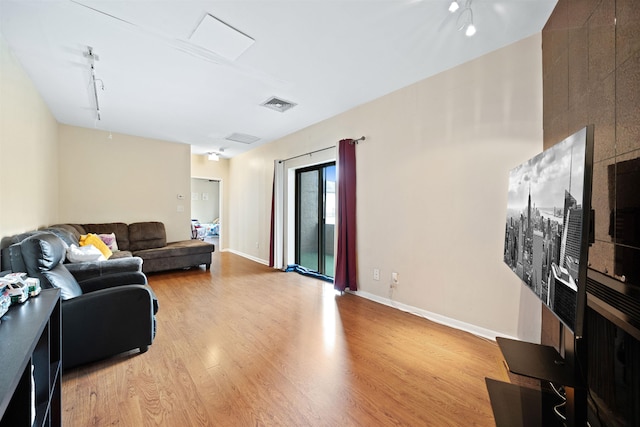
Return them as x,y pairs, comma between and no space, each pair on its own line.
31,362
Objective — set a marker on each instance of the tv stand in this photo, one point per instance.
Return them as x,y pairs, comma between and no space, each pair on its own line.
514,405
537,361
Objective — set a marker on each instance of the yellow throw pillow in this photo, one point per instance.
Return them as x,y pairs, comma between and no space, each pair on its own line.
93,239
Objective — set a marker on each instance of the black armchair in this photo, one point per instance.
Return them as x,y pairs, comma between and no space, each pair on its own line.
101,316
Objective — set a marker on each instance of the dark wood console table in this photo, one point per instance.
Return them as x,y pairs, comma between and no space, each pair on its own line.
31,362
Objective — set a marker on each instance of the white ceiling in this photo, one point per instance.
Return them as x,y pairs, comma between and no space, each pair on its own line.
327,56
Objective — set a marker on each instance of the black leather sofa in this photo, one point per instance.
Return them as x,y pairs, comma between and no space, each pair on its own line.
102,316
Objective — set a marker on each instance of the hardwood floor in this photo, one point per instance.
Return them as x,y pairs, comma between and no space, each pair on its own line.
244,345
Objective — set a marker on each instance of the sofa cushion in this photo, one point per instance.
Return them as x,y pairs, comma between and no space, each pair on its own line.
90,270
120,229
121,254
43,255
76,229
16,238
68,237
146,235
11,253
176,249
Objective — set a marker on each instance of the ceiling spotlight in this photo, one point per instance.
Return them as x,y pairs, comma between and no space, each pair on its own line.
454,6
471,30
214,156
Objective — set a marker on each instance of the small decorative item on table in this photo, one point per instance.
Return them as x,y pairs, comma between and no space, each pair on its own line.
33,283
5,299
18,287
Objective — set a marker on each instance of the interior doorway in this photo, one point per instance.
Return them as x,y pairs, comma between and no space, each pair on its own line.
315,218
205,208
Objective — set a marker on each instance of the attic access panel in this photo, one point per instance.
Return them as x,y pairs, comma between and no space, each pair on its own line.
221,38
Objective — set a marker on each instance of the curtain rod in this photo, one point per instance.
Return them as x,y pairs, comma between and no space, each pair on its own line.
353,141
307,154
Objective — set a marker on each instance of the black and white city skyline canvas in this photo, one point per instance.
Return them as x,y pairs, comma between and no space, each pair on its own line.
543,231
548,174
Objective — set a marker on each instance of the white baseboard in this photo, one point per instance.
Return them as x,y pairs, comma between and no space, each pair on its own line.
443,320
434,317
251,257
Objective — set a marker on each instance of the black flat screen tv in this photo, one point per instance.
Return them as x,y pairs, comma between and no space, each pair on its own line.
547,228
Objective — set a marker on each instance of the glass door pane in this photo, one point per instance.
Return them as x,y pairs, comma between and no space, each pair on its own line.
316,218
329,218
308,219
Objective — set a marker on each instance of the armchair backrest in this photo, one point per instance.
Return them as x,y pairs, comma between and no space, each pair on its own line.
43,255
11,255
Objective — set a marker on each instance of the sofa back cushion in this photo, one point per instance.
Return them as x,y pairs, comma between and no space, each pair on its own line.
120,229
43,255
67,236
76,230
146,235
11,253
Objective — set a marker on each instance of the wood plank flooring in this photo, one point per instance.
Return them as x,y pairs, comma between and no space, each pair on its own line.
244,345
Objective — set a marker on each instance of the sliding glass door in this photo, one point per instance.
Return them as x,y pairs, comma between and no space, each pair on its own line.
315,217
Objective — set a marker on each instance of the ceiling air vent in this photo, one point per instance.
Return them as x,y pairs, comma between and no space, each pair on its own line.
278,104
242,138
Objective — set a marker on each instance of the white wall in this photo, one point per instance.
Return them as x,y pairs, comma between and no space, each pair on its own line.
432,184
28,152
108,177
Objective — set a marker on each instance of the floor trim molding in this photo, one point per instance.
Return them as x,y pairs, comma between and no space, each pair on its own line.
443,320
252,258
434,317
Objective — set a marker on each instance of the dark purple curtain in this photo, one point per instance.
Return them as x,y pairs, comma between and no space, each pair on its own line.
345,275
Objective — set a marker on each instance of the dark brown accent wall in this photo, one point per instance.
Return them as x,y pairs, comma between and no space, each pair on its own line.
591,75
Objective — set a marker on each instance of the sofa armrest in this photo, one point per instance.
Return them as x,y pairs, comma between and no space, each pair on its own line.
86,270
107,322
118,280
112,280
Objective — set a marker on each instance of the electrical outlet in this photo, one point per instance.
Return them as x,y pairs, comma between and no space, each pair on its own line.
395,280
376,274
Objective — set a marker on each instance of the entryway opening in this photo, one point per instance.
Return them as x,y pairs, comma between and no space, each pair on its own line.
205,209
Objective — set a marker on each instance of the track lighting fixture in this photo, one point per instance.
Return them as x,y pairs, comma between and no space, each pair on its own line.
89,54
465,19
